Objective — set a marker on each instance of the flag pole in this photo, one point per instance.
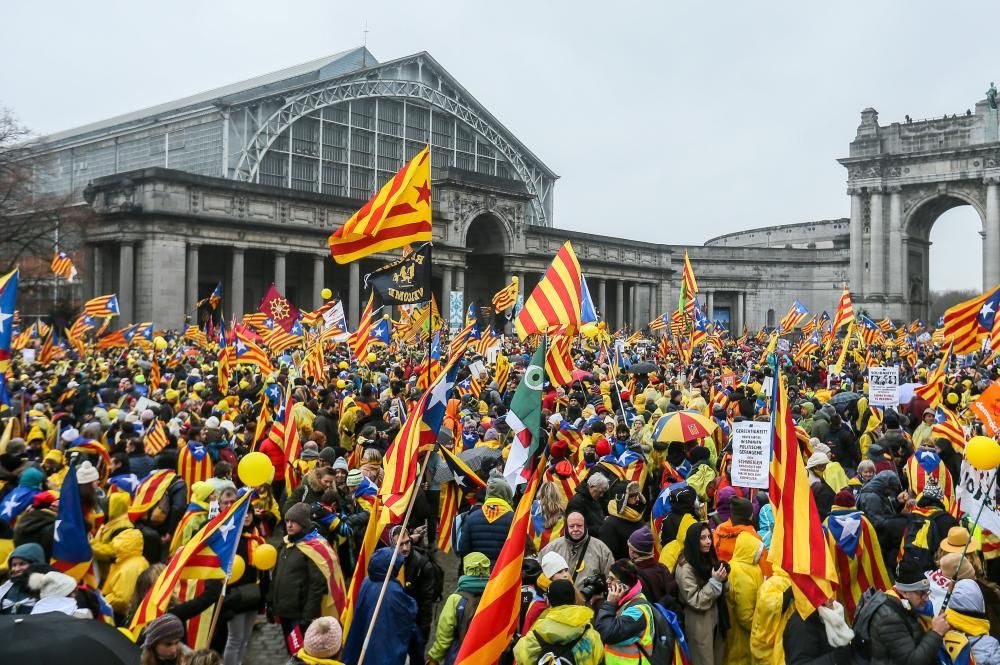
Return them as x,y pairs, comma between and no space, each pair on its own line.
392,563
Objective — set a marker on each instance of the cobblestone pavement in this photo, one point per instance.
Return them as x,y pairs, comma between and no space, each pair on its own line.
267,646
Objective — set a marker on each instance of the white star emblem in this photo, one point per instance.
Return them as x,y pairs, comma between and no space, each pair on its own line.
8,506
439,394
56,533
985,310
226,528
459,478
850,525
3,320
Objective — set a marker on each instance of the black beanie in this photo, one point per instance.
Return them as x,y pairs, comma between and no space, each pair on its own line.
561,592
530,571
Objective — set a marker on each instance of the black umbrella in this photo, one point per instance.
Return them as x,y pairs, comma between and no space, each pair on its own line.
55,638
644,367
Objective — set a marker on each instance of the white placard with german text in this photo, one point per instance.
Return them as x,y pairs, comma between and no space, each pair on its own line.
883,386
751,454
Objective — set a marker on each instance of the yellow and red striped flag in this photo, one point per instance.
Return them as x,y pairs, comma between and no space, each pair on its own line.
156,438
857,556
248,353
500,606
362,337
689,288
798,545
399,214
968,322
506,297
102,306
933,389
63,266
149,492
557,300
196,335
559,362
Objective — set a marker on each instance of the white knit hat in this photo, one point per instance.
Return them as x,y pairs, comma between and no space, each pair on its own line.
553,563
86,473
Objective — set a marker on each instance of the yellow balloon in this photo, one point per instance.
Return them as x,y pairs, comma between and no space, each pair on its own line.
239,567
326,294
255,469
159,343
589,330
264,557
983,453
371,358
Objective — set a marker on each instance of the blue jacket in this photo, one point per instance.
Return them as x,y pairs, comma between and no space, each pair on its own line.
396,633
481,535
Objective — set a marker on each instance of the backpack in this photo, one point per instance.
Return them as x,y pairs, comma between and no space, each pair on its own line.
556,654
464,611
437,572
920,541
663,636
868,604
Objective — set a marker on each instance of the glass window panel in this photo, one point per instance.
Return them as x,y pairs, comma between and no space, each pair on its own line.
443,131
305,137
336,113
362,183
465,141
390,153
390,117
465,161
362,148
281,143
304,174
417,123
363,113
274,169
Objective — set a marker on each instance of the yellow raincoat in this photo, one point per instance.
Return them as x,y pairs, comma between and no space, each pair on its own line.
745,579
129,563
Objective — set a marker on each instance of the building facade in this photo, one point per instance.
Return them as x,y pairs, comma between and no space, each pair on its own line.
243,184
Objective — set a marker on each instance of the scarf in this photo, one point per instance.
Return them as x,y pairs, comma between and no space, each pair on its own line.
494,508
472,583
626,512
970,624
313,660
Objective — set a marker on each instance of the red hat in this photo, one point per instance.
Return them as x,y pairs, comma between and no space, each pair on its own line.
559,448
626,395
602,447
44,499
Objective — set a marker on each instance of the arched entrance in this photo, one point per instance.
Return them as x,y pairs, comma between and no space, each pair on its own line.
916,262
487,242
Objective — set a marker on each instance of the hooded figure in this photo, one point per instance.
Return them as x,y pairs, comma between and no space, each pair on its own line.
459,608
625,517
485,530
129,563
967,615
745,580
396,634
877,498
15,595
563,623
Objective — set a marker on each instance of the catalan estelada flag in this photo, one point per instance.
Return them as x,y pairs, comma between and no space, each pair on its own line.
798,544
318,550
689,287
285,434
948,426
193,464
463,479
102,306
968,322
361,338
797,313
71,553
208,555
419,433
559,361
506,297
213,299
557,299
399,214
156,438
8,300
925,466
248,353
857,555
150,491
500,606
63,266
933,389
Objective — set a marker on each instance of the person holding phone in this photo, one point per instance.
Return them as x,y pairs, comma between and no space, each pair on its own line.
702,581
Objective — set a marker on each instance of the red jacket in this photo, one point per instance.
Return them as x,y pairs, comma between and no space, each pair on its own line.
277,457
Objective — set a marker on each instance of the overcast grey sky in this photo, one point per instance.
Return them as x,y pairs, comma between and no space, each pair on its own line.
667,121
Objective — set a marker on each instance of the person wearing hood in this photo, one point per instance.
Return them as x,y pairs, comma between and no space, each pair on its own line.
459,608
745,579
820,428
395,635
625,517
485,529
164,642
625,620
562,624
584,554
129,563
321,643
29,484
702,582
823,494
879,497
967,616
314,484
740,521
587,500
54,466
194,517
702,472
16,597
925,428
772,611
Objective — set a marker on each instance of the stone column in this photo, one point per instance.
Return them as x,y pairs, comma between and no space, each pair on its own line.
236,281
191,279
895,241
98,269
991,243
126,283
857,243
446,291
602,298
319,274
740,304
876,264
665,304
279,272
460,283
619,304
354,289
710,305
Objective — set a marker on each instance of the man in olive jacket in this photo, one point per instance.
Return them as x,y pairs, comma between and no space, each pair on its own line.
298,585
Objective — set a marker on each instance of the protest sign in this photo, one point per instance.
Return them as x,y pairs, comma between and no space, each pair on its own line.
751,443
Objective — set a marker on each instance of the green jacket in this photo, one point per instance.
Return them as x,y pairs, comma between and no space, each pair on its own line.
448,619
560,625
700,477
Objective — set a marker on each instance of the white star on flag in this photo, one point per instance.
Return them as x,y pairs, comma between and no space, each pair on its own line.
226,529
